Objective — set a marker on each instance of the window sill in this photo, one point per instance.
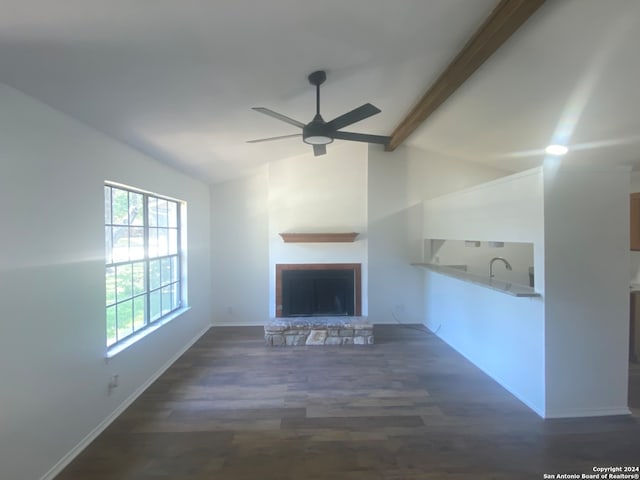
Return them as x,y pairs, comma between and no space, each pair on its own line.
116,349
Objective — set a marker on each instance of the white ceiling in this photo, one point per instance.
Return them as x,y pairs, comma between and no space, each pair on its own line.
177,79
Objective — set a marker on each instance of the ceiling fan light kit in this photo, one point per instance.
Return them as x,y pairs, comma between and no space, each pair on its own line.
316,132
319,133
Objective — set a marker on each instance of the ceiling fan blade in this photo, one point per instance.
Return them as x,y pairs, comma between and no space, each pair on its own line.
274,138
355,115
279,116
319,150
362,137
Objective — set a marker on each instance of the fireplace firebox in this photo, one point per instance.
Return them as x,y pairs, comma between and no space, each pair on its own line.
306,290
317,292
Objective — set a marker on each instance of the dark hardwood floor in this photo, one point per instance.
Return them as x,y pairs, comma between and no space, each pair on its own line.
408,407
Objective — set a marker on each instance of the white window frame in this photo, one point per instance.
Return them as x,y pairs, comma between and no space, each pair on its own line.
144,283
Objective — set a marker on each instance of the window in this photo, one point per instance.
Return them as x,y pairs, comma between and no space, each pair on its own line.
142,240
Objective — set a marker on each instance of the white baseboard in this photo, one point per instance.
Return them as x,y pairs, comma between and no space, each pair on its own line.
91,436
590,412
237,324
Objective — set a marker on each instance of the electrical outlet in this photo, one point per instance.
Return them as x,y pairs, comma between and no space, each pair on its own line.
113,383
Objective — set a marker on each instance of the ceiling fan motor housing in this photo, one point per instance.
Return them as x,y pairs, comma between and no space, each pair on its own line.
316,132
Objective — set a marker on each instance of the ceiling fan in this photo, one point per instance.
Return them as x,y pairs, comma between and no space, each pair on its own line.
320,133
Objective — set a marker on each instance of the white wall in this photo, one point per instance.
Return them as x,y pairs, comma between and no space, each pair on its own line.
398,182
53,336
634,257
502,335
495,210
298,194
587,290
240,250
319,194
352,188
565,354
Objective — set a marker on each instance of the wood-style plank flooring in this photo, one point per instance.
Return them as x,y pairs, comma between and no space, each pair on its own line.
408,407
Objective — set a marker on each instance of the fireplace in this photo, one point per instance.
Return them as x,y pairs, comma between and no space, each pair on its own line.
320,289
317,293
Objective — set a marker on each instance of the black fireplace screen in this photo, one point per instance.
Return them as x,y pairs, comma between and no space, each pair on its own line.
318,293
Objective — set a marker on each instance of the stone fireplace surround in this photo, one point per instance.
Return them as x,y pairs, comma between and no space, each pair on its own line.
295,331
319,330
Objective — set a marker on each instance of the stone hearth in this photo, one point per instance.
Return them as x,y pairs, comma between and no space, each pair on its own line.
293,331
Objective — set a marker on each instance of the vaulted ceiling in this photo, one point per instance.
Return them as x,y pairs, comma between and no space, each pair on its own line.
176,80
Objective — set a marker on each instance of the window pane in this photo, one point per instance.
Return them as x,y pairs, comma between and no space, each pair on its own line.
125,319
139,305
154,274
120,206
173,241
107,205
120,244
166,300
110,281
153,242
163,213
108,245
154,305
165,275
111,325
173,214
153,211
138,278
124,283
163,241
136,210
136,243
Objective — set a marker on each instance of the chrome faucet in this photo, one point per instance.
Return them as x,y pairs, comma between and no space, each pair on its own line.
506,264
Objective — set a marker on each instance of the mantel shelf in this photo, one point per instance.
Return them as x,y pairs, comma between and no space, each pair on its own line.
325,237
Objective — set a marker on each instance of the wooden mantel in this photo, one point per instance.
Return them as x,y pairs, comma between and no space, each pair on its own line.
324,237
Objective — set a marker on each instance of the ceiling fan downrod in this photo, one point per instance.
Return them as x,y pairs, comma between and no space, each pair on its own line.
317,78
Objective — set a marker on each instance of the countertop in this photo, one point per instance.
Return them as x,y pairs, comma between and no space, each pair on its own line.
507,288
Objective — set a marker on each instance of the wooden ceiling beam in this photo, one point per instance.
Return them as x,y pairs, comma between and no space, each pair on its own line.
503,21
